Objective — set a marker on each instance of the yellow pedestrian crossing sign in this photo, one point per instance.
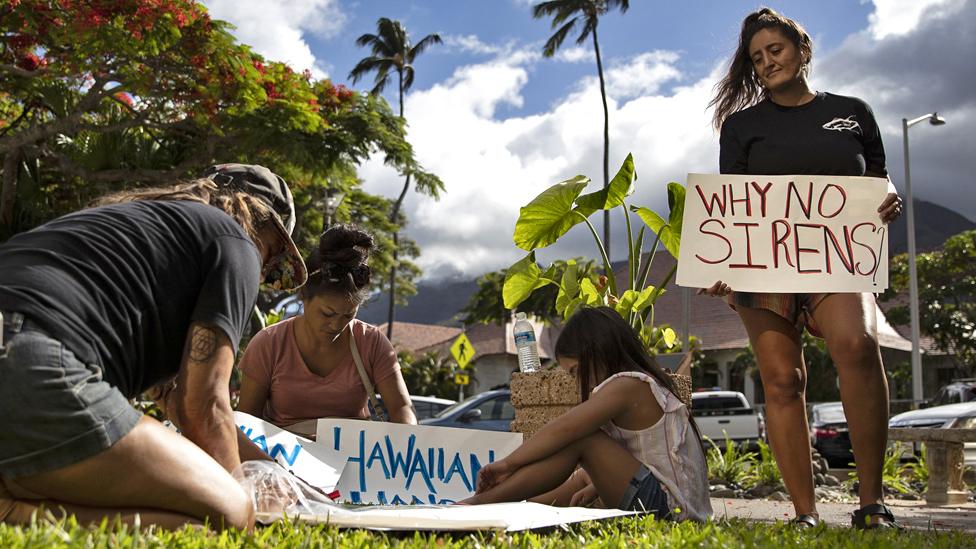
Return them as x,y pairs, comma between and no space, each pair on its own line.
461,379
462,351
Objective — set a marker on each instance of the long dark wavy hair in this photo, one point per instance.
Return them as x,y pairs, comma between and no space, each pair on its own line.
740,88
604,344
340,264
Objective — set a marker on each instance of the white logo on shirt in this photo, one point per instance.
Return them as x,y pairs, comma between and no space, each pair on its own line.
841,124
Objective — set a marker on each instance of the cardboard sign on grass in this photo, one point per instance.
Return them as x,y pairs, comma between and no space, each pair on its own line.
289,450
390,463
784,234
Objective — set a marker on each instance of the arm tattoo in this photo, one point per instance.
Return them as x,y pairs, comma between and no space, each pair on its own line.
203,344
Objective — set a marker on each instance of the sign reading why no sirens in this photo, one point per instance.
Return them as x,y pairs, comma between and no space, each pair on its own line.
789,234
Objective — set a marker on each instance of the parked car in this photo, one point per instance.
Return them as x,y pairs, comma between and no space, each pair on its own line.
490,410
424,407
289,306
829,435
950,416
963,390
722,415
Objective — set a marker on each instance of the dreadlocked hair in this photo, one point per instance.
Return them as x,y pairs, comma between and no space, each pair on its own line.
249,212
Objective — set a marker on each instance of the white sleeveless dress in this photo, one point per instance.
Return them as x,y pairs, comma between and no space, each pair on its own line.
671,450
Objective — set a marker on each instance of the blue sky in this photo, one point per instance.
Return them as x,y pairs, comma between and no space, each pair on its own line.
499,123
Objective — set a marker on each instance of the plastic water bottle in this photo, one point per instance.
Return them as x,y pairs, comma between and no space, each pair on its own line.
528,351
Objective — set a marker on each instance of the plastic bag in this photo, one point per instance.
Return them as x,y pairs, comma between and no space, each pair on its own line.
275,492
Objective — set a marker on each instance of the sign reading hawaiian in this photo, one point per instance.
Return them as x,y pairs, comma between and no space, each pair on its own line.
390,463
790,234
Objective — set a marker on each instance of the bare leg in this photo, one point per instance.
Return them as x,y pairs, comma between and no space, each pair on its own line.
562,495
849,326
609,465
780,357
151,469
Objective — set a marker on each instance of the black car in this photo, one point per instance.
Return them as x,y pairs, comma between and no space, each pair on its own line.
829,434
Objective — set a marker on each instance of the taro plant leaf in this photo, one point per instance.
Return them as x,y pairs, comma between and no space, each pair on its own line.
589,293
521,280
550,215
620,187
660,227
633,301
669,337
676,202
568,288
571,307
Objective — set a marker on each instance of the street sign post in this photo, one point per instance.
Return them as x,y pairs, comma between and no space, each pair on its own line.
462,351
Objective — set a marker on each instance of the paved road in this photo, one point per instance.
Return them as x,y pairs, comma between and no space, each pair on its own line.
913,514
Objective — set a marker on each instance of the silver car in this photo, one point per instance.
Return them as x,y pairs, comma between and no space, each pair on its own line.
950,416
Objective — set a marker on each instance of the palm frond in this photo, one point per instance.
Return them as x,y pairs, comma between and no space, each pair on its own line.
425,43
368,64
407,77
558,37
588,29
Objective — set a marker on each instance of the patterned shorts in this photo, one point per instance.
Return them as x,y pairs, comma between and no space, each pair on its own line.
797,309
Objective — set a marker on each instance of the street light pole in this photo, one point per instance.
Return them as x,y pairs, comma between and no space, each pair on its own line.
917,393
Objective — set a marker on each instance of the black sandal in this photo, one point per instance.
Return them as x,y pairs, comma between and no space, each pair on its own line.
876,515
805,521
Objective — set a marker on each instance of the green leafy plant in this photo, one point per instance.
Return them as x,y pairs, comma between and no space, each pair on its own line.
763,471
731,466
894,473
549,216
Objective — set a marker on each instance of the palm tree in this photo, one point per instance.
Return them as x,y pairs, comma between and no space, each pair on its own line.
391,51
569,15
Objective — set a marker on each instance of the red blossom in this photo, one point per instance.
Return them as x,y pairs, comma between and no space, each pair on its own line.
125,98
30,62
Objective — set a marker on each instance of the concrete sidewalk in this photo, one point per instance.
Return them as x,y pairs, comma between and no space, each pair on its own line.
913,514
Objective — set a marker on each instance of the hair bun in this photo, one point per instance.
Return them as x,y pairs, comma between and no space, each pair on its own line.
344,246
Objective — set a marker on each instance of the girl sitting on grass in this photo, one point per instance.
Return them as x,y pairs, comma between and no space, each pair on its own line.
635,440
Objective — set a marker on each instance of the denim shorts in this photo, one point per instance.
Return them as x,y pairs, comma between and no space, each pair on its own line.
55,410
645,493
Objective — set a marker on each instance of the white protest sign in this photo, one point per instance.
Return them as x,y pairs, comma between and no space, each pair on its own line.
290,451
787,234
390,463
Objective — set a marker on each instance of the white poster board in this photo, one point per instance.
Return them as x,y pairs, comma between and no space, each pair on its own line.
289,450
784,234
390,463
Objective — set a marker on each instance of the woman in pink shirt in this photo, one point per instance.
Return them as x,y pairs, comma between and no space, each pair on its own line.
303,368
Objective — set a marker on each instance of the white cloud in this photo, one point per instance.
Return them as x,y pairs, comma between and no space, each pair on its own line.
471,44
575,54
642,75
276,30
494,165
899,17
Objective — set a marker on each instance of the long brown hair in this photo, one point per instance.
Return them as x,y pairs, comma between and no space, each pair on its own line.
740,88
604,344
249,212
340,264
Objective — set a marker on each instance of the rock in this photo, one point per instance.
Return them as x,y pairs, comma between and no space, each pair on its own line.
818,479
822,493
718,486
825,465
817,467
831,480
761,491
724,493
779,496
716,482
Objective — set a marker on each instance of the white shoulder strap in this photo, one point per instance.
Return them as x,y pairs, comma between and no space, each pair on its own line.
379,413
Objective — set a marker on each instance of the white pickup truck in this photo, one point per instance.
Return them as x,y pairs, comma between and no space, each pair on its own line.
722,415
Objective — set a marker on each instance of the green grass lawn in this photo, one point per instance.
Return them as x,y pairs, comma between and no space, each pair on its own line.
623,532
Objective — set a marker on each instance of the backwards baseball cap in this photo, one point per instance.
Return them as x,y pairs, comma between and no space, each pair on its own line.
287,270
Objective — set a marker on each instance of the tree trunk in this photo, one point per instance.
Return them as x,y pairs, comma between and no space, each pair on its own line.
606,144
396,234
8,193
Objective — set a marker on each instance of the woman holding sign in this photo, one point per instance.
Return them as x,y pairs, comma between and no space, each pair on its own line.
772,123
325,362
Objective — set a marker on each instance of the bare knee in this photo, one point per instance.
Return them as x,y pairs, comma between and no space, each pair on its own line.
234,511
855,350
784,385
